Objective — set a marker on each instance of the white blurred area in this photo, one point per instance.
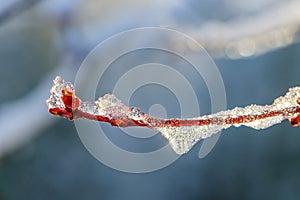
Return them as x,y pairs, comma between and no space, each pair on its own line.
227,29
230,28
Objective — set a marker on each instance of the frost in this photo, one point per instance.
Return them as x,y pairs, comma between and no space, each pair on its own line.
90,108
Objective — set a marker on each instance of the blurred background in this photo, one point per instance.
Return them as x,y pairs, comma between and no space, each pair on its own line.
255,45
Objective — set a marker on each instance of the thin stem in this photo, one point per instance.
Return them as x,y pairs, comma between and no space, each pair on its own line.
182,133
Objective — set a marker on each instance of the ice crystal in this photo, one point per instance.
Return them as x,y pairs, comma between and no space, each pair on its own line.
55,100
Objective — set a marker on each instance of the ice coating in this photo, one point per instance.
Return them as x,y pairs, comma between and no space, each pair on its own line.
183,138
108,106
258,117
181,133
56,92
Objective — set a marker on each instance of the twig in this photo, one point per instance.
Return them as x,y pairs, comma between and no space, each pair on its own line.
181,133
251,35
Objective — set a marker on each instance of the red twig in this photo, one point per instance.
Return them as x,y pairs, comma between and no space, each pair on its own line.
182,133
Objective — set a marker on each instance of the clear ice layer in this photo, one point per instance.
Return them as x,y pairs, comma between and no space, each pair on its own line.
183,138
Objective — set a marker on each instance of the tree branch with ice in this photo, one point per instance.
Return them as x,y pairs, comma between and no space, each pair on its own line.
181,133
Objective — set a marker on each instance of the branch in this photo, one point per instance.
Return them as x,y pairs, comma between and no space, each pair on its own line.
181,133
16,127
251,35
